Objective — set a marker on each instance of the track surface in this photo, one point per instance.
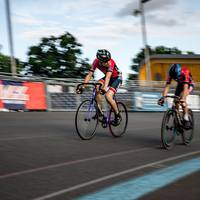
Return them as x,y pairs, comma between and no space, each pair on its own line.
41,157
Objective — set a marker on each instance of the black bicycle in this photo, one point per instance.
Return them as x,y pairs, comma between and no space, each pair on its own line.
88,117
173,125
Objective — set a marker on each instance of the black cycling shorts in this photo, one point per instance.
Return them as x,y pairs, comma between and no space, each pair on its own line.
180,87
113,84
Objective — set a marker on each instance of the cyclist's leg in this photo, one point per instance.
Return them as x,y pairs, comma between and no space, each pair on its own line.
183,103
109,97
114,85
185,108
178,91
99,96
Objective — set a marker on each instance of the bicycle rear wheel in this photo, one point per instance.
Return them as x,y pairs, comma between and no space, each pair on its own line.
168,129
120,129
86,119
187,135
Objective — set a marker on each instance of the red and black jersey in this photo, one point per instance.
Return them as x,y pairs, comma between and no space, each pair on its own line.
111,68
184,77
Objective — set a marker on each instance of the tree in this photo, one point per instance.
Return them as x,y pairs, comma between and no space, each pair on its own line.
157,50
5,64
58,57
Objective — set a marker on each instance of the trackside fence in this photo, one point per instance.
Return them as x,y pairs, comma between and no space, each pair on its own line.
43,94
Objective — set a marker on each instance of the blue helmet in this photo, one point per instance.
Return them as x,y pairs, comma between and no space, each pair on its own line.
175,70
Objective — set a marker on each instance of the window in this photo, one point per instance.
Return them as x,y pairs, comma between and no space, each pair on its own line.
158,77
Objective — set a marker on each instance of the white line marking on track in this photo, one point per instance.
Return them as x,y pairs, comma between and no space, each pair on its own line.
46,136
113,176
27,138
70,163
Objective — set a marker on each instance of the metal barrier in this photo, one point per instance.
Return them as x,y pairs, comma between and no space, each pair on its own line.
137,95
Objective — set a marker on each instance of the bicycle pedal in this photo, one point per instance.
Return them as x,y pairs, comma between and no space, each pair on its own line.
180,131
104,125
102,119
94,117
171,128
187,128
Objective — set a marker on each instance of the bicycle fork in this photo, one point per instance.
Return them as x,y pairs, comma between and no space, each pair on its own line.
178,122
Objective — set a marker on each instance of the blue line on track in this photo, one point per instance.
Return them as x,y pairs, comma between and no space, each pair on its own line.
135,188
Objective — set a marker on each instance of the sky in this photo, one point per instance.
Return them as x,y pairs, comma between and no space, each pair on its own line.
99,24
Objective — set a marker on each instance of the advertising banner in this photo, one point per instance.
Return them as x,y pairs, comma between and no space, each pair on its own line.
147,101
16,95
13,95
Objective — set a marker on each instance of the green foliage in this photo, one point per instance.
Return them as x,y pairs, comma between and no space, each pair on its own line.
152,51
58,57
190,53
5,64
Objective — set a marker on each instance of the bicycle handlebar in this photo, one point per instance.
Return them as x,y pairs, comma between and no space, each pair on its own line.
88,84
177,99
172,96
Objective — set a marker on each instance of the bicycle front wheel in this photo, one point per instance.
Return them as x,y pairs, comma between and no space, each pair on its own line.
168,129
187,135
86,119
120,129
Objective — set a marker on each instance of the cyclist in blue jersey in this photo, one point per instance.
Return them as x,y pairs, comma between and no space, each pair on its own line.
184,87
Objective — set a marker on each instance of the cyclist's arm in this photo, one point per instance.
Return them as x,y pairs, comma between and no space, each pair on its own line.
167,86
88,77
91,71
166,90
107,79
80,88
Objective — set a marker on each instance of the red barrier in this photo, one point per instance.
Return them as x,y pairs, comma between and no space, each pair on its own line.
1,89
37,98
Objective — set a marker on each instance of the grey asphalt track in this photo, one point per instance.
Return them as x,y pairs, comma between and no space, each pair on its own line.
42,157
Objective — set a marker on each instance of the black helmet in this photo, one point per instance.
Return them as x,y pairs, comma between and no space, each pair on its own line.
103,55
174,70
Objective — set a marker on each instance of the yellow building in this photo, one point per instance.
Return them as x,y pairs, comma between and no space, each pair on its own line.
159,65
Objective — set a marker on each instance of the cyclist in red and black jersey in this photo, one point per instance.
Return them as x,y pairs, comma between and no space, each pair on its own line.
184,87
110,82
